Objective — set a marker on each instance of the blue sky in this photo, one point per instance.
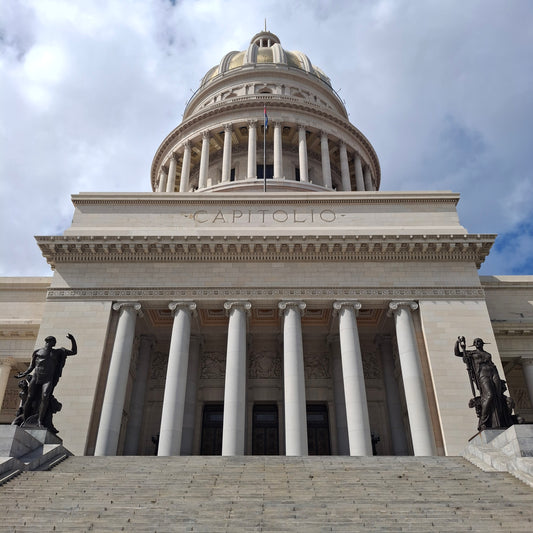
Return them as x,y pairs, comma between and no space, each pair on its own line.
441,89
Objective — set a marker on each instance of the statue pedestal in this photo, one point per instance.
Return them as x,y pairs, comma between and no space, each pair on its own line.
28,449
504,450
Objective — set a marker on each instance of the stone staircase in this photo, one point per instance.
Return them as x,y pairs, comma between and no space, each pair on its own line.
303,494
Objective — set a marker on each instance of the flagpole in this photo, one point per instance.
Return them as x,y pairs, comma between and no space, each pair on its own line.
264,150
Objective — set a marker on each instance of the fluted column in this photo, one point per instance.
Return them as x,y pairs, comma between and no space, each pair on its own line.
185,167
527,369
252,150
204,161
294,379
343,445
138,393
354,379
413,379
171,180
226,154
235,385
176,380
367,175
162,187
359,180
117,379
326,165
189,416
345,169
302,153
392,393
278,155
5,370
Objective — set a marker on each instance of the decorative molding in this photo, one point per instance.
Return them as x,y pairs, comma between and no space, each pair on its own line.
258,293
117,306
338,305
290,248
285,304
245,305
189,307
395,306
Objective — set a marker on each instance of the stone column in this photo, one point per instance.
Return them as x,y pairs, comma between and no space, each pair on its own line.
204,161
117,379
235,385
278,156
345,169
354,379
326,165
189,416
343,446
226,154
176,380
251,174
162,187
392,392
302,153
5,370
171,181
138,393
413,379
185,167
294,379
367,175
527,369
359,180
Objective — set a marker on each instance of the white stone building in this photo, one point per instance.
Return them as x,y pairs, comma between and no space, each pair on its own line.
226,318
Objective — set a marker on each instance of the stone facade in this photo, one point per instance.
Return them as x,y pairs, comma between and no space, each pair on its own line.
321,312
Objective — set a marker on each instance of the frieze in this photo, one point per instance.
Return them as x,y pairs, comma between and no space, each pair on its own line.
266,365
316,366
371,365
213,365
158,367
312,293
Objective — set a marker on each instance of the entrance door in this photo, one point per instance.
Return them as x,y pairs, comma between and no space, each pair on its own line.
265,432
318,429
212,429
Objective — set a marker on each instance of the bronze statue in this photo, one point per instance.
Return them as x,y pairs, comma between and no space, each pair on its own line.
38,403
493,408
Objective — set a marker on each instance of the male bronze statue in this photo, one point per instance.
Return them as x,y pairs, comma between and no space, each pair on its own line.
47,366
493,408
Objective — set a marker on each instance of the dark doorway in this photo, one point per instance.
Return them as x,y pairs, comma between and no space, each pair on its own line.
212,429
318,429
265,432
269,172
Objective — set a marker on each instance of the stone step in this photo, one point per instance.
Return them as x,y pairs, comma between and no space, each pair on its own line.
266,494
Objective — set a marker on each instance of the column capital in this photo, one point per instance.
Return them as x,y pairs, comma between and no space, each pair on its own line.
206,135
173,157
244,304
339,304
302,126
188,306
252,123
163,172
277,123
228,128
324,134
396,305
117,306
526,361
299,305
186,144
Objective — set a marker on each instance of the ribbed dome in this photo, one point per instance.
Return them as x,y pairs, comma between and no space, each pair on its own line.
265,48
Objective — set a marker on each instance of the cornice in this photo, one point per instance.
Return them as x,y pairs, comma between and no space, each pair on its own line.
512,329
257,102
325,294
271,198
289,248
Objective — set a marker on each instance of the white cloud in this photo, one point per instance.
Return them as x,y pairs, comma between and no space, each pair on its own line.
89,90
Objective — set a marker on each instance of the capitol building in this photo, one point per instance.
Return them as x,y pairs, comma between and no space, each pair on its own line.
269,296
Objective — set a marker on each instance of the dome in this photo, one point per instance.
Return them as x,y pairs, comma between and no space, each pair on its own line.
264,49
225,142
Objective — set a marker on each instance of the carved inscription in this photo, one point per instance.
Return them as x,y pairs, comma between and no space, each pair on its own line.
262,216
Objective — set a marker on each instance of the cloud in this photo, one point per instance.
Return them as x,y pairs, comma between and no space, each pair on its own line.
89,90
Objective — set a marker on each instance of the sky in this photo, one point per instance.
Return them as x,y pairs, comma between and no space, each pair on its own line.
442,89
